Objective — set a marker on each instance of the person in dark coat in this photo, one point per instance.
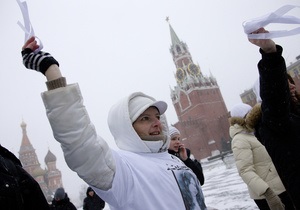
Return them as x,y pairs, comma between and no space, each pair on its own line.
92,201
279,127
18,189
61,201
253,162
177,148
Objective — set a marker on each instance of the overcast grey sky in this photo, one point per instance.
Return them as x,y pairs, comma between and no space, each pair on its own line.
112,48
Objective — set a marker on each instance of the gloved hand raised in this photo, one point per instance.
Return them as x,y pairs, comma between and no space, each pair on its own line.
273,200
39,61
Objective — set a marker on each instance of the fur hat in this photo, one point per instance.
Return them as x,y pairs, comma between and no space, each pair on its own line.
59,193
139,104
173,131
254,116
240,110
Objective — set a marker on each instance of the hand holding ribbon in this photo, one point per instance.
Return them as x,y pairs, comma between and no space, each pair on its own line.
275,17
28,29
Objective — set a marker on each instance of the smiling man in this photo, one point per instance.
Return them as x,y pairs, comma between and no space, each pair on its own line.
142,174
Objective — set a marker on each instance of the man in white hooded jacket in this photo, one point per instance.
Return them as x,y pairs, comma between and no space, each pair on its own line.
142,174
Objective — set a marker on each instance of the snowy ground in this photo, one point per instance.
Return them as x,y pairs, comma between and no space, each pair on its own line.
223,188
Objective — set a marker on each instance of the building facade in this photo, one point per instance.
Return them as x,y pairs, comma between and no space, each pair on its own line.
249,97
49,178
199,105
294,70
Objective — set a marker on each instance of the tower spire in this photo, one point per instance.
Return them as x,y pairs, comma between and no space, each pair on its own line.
25,144
27,154
174,38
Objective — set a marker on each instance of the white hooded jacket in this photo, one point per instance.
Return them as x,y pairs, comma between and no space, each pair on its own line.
134,178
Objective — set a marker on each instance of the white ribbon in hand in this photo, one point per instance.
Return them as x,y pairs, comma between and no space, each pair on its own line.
28,29
275,17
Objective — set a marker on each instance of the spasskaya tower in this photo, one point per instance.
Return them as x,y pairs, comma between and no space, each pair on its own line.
199,105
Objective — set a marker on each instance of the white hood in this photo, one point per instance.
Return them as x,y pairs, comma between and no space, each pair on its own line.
126,138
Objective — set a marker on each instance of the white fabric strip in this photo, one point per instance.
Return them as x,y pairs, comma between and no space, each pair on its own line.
28,29
275,17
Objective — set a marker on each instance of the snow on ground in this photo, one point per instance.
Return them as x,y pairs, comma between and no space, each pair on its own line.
223,188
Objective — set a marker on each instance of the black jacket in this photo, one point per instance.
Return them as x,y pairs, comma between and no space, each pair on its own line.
93,203
194,165
18,190
279,128
64,204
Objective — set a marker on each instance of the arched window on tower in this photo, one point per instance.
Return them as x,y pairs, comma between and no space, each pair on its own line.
178,49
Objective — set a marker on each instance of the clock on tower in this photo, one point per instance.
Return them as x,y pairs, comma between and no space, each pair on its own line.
180,74
193,69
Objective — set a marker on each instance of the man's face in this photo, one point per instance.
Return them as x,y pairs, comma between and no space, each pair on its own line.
148,123
91,193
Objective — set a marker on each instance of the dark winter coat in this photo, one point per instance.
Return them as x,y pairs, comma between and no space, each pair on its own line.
279,128
194,165
93,203
64,204
18,190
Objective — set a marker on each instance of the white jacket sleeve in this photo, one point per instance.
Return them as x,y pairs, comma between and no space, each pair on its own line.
85,152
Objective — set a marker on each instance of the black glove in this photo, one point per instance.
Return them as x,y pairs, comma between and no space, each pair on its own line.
40,61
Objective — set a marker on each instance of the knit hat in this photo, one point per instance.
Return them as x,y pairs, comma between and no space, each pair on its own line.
59,193
173,131
138,104
240,110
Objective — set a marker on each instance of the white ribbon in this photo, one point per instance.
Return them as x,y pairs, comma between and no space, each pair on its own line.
275,17
28,29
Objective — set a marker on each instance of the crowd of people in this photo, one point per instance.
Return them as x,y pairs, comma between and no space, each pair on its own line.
152,168
146,143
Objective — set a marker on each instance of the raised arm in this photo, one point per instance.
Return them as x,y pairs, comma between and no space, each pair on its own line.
85,152
274,89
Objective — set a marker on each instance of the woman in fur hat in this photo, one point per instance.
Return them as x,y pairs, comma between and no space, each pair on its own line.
254,163
279,127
